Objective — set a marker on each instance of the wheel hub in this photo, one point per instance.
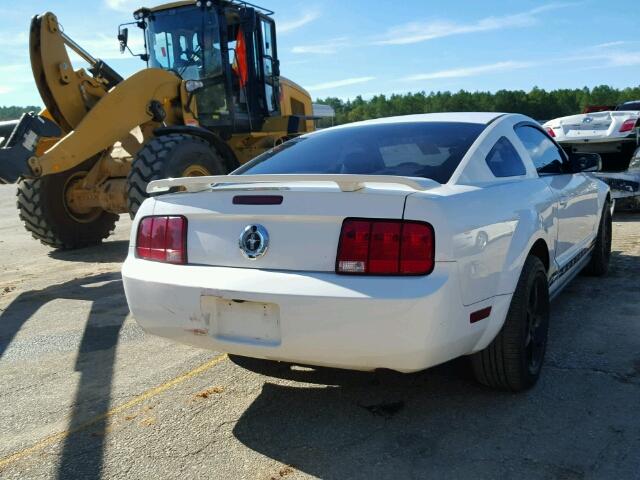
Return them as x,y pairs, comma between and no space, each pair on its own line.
74,193
196,170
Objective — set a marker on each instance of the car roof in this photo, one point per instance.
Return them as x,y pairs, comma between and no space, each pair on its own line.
480,118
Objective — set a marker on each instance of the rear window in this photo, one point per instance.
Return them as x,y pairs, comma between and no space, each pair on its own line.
428,149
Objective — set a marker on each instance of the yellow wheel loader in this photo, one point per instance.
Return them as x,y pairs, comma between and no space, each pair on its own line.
210,99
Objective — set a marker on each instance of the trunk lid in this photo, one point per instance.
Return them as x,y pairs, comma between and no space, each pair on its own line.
590,124
303,230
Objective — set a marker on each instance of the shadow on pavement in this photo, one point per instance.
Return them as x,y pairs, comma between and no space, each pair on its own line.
333,376
625,216
578,422
332,428
82,452
107,252
437,424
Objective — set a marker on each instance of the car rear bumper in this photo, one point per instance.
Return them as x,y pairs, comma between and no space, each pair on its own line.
361,323
605,140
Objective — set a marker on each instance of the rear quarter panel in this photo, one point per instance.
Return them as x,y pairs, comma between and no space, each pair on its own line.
488,225
488,231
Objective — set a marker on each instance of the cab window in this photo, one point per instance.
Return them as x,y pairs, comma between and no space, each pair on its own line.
503,160
162,48
268,55
546,156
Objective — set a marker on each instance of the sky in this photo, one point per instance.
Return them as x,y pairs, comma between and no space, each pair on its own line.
345,48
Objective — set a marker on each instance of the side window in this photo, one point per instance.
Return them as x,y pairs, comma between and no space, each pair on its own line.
504,161
546,157
163,49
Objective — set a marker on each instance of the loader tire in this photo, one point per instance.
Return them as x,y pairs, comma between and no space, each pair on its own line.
170,156
43,209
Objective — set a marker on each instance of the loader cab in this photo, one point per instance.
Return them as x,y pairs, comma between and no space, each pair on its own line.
228,51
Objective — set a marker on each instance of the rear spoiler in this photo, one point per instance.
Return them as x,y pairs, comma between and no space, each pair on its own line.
347,183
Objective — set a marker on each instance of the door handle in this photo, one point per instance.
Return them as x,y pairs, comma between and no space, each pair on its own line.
564,201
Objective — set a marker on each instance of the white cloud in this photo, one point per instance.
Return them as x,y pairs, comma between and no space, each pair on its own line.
604,59
611,44
16,75
14,68
620,53
14,40
339,83
416,32
123,5
106,47
290,25
470,71
620,59
327,47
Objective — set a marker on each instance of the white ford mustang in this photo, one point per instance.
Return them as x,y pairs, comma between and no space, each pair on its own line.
399,243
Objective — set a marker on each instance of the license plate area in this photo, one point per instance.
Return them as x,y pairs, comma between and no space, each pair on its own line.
587,129
243,321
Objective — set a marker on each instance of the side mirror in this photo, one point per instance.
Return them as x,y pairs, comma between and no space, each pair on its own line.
585,162
123,38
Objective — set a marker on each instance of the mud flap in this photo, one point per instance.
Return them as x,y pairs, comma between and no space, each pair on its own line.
21,145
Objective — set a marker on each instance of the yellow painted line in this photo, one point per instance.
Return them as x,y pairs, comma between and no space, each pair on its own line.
56,437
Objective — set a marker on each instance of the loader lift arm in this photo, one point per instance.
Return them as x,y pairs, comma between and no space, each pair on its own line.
68,95
128,105
90,153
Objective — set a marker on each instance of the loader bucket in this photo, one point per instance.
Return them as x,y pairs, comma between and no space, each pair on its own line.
21,146
6,128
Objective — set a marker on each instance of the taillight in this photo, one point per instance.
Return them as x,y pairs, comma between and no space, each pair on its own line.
163,239
417,248
551,133
385,247
353,251
628,125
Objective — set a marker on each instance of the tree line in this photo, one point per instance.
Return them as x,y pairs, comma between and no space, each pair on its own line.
13,112
537,103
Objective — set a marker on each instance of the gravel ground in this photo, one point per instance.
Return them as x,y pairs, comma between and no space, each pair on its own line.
85,393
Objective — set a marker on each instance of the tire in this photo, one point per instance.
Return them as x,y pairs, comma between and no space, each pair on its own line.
514,359
42,207
598,266
169,156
